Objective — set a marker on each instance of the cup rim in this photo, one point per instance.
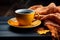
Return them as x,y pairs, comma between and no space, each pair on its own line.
16,11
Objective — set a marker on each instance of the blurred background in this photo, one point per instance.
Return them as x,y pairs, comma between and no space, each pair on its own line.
7,7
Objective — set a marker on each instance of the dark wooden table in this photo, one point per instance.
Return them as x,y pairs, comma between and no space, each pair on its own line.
9,31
